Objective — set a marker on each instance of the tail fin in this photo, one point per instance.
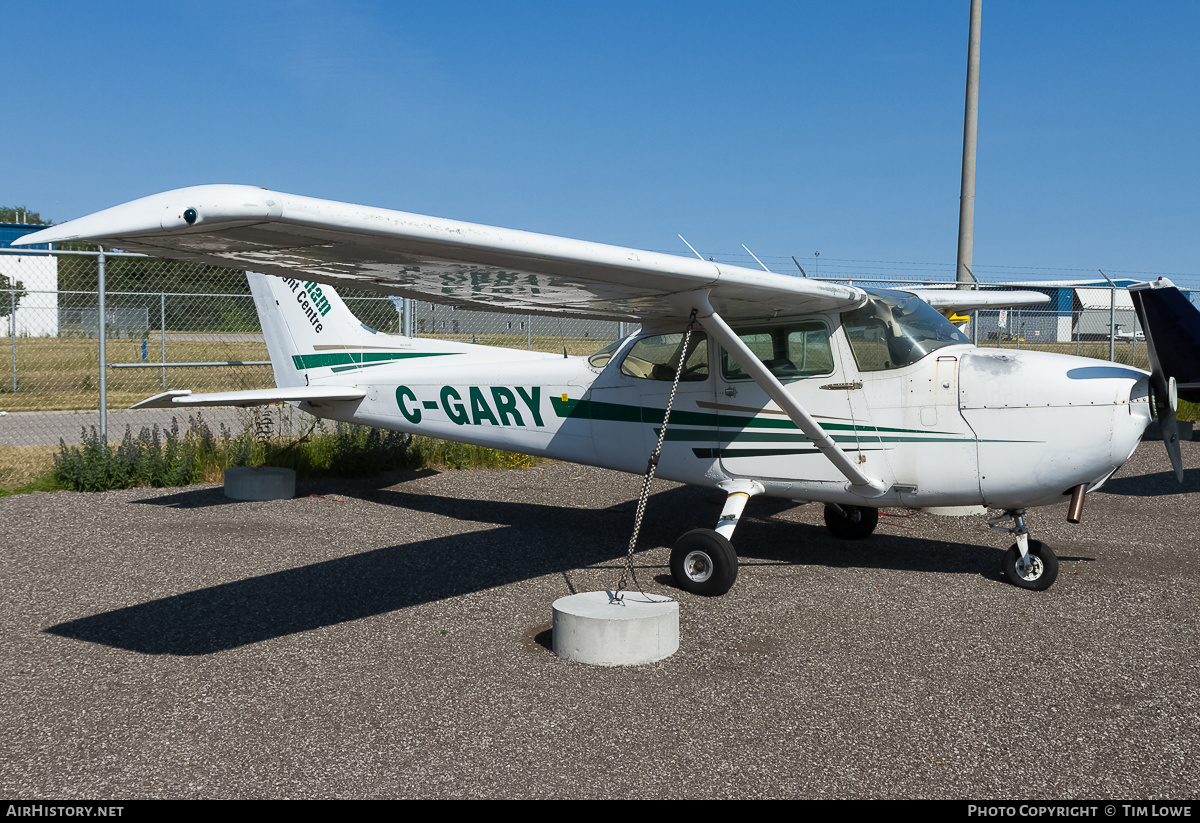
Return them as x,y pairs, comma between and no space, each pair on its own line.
306,325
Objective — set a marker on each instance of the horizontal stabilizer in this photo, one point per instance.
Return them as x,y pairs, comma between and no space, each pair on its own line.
258,397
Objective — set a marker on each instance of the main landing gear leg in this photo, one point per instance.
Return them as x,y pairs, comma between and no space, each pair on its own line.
703,561
851,522
1029,564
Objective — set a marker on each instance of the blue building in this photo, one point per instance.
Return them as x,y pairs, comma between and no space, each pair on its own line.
36,313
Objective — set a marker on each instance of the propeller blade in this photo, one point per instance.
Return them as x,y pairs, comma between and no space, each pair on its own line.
1172,327
1164,404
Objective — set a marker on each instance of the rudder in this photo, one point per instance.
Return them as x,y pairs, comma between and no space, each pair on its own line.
300,319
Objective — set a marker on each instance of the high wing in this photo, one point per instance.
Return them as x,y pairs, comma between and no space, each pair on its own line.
971,299
435,259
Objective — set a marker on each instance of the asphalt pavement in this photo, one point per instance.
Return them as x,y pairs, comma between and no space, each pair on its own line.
391,639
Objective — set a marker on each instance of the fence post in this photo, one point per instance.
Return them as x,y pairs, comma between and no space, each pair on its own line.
529,332
1112,325
103,327
12,330
162,314
1078,322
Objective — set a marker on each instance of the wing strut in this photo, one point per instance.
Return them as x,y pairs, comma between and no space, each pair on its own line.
860,483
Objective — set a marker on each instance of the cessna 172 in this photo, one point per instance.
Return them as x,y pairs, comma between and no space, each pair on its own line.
784,386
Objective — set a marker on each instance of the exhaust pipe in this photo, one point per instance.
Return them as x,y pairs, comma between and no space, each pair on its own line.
1075,510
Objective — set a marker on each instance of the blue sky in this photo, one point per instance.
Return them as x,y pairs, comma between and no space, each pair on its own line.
790,127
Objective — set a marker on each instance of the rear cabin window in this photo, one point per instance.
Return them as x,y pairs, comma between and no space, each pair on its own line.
600,359
789,352
656,357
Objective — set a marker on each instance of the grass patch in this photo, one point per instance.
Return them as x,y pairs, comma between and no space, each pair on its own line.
56,373
26,469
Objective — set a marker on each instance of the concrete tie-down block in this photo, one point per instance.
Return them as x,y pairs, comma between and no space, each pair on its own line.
593,627
260,483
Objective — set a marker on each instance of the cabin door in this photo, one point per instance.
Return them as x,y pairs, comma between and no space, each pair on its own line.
756,438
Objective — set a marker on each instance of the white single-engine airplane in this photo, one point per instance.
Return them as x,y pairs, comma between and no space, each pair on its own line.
789,387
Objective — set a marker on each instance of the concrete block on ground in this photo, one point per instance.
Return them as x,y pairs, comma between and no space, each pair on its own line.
593,628
260,483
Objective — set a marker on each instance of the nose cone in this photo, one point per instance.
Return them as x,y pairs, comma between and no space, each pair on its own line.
1048,422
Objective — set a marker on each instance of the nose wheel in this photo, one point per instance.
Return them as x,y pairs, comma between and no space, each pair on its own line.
1028,564
1037,570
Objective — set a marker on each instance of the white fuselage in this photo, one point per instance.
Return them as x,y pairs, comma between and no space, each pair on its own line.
961,426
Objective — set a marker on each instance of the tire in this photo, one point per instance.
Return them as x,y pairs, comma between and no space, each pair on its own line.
703,562
857,522
1044,572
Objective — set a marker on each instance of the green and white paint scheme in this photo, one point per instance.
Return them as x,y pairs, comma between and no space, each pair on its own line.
796,388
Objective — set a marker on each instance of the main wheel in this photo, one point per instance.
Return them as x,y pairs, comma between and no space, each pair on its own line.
857,522
1038,573
704,562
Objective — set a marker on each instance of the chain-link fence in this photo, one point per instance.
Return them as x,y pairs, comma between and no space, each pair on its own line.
171,324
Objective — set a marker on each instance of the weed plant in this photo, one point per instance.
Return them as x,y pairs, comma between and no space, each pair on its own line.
177,458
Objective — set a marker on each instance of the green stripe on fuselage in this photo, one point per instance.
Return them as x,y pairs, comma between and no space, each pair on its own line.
354,359
623,412
733,436
732,427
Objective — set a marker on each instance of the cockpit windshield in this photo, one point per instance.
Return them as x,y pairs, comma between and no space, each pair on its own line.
895,330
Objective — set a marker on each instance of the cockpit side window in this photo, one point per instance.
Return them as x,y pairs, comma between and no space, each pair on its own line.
894,330
657,357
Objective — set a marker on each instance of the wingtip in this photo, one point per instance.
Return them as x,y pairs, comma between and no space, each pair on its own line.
50,234
156,212
165,400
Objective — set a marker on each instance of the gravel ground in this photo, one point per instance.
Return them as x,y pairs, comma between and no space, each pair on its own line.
392,640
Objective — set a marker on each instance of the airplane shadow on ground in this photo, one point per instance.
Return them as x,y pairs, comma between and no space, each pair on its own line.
1153,485
202,498
530,540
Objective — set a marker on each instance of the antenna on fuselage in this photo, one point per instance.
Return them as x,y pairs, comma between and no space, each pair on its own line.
797,262
756,260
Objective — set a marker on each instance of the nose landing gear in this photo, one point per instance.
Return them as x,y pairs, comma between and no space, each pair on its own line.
1028,564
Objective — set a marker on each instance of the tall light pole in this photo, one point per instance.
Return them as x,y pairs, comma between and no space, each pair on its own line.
966,208
816,264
